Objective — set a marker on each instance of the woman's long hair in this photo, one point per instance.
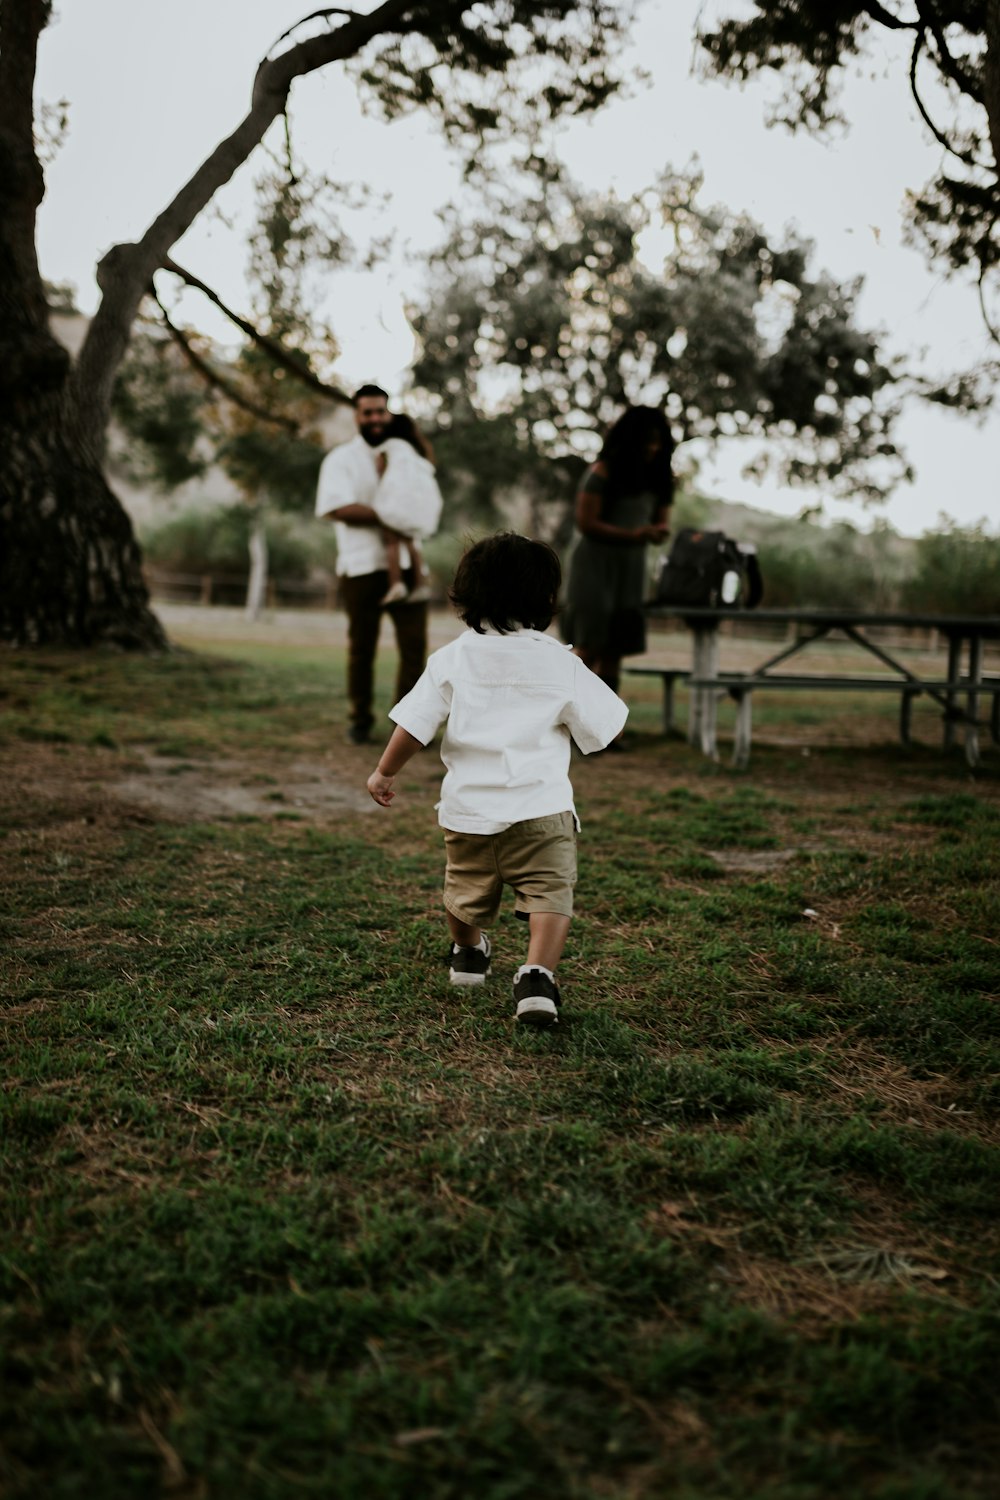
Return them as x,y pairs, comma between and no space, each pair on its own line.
404,427
629,470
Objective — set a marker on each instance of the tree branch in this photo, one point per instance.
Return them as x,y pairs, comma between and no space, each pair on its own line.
213,378
270,346
315,15
965,157
886,17
948,64
126,271
991,328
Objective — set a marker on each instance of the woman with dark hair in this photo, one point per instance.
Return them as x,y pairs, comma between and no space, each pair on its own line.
621,506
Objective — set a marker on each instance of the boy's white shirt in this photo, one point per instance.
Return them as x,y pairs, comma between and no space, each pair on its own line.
511,704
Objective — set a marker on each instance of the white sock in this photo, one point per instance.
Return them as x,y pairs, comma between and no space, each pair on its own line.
483,946
527,968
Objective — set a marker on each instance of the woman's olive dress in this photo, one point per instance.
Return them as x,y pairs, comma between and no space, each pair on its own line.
607,580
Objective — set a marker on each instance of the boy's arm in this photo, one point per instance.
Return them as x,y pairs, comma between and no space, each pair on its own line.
397,752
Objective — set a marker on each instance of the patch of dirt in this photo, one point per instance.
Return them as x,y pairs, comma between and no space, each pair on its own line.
227,788
759,861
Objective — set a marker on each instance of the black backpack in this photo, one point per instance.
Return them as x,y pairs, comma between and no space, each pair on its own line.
708,570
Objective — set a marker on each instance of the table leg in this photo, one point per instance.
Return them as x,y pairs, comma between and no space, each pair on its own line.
741,742
701,729
972,702
696,694
954,673
668,706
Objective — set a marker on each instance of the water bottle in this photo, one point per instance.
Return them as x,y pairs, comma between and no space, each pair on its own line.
730,590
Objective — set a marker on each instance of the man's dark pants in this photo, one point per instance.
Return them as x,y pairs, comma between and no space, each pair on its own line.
361,600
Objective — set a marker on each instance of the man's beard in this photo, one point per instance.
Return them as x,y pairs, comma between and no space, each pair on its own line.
373,438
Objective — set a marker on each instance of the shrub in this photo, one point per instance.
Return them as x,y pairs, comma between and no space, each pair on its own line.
957,572
216,540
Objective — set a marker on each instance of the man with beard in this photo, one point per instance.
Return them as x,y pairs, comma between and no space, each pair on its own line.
348,479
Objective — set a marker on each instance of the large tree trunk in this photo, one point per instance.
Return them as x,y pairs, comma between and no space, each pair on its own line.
70,568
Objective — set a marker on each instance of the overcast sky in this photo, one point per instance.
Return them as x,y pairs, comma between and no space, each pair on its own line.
152,89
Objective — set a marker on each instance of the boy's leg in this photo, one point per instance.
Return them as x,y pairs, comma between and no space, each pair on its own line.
539,861
547,933
462,933
536,994
470,884
469,959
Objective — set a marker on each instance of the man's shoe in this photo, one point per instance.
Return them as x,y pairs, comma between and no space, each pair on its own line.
359,734
469,965
537,998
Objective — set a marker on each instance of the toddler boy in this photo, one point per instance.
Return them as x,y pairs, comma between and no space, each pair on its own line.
510,697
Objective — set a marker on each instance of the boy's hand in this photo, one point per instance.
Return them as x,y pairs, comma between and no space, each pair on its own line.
380,788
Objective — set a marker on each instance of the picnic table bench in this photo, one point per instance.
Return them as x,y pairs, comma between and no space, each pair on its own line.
958,691
741,685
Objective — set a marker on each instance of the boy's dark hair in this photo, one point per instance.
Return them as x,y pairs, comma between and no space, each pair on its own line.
368,390
507,581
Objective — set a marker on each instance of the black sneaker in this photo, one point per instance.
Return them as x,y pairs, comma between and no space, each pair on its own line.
469,965
537,998
359,734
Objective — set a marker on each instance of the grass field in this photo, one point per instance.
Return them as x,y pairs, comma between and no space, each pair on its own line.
285,1216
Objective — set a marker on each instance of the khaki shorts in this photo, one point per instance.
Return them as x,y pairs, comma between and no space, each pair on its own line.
537,858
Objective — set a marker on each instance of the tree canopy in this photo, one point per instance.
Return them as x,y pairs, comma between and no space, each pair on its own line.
551,310
954,76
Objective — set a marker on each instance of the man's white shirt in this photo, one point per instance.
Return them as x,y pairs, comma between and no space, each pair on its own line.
512,704
348,476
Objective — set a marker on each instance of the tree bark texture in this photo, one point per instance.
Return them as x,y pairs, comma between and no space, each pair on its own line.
70,570
70,567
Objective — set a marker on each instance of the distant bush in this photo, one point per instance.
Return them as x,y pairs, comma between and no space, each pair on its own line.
957,572
215,541
834,567
835,577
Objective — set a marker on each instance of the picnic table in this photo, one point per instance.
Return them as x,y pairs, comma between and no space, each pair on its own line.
958,689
